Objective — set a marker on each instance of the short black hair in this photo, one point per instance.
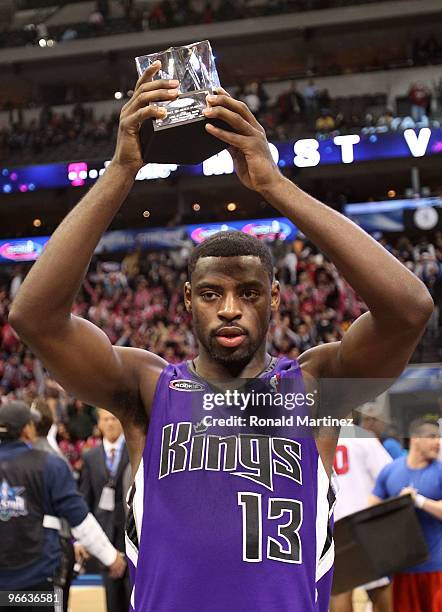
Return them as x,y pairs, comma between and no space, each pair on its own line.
417,424
46,420
232,243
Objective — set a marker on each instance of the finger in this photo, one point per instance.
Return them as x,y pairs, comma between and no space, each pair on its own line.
236,106
157,84
149,97
148,74
153,87
232,139
221,91
237,122
134,120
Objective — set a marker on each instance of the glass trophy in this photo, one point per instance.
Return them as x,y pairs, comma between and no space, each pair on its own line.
181,137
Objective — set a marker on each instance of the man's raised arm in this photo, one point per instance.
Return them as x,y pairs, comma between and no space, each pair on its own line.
79,354
380,343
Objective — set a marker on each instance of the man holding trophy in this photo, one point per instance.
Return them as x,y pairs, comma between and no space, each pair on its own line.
217,523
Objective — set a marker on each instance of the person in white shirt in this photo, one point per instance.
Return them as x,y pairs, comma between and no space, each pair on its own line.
359,458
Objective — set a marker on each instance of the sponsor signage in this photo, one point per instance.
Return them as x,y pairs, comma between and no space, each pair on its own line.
372,216
303,153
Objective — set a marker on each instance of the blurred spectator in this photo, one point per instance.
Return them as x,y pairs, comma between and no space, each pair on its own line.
42,31
324,98
31,555
290,104
419,96
418,588
325,123
79,113
82,420
96,20
69,34
42,428
70,447
372,419
310,95
103,8
438,93
101,483
386,119
130,265
251,97
16,282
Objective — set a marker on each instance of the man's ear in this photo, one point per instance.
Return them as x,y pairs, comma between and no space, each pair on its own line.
28,433
275,296
188,296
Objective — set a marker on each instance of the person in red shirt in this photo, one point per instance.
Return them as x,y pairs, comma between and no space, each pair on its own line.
419,96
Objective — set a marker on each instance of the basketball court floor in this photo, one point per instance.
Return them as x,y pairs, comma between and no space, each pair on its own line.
87,598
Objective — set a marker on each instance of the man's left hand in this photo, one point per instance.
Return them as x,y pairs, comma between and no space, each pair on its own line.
248,144
409,491
81,554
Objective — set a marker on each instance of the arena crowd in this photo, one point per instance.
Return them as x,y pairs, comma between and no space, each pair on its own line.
294,113
137,16
138,303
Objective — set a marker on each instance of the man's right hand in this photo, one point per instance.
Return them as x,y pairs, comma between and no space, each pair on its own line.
118,567
136,111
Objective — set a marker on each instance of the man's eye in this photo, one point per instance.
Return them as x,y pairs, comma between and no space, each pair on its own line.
208,296
250,294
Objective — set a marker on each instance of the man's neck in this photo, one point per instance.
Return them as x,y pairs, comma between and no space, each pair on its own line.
415,460
206,367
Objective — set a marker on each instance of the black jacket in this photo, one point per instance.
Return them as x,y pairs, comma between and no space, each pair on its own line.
94,476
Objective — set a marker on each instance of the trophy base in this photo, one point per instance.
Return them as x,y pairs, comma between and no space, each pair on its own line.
188,143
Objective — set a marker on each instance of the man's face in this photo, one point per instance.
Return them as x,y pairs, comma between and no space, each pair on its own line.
427,441
372,424
109,425
231,300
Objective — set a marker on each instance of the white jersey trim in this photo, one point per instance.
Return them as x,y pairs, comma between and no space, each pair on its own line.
131,551
138,500
322,521
326,563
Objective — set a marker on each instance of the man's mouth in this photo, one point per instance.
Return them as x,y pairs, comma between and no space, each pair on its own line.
230,337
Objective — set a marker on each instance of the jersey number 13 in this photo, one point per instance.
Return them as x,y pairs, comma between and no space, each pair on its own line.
252,526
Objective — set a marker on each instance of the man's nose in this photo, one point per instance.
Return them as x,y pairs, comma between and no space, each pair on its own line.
230,308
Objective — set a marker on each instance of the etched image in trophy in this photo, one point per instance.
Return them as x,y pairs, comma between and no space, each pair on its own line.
181,137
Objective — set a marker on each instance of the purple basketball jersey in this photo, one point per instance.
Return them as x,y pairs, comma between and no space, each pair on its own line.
227,522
